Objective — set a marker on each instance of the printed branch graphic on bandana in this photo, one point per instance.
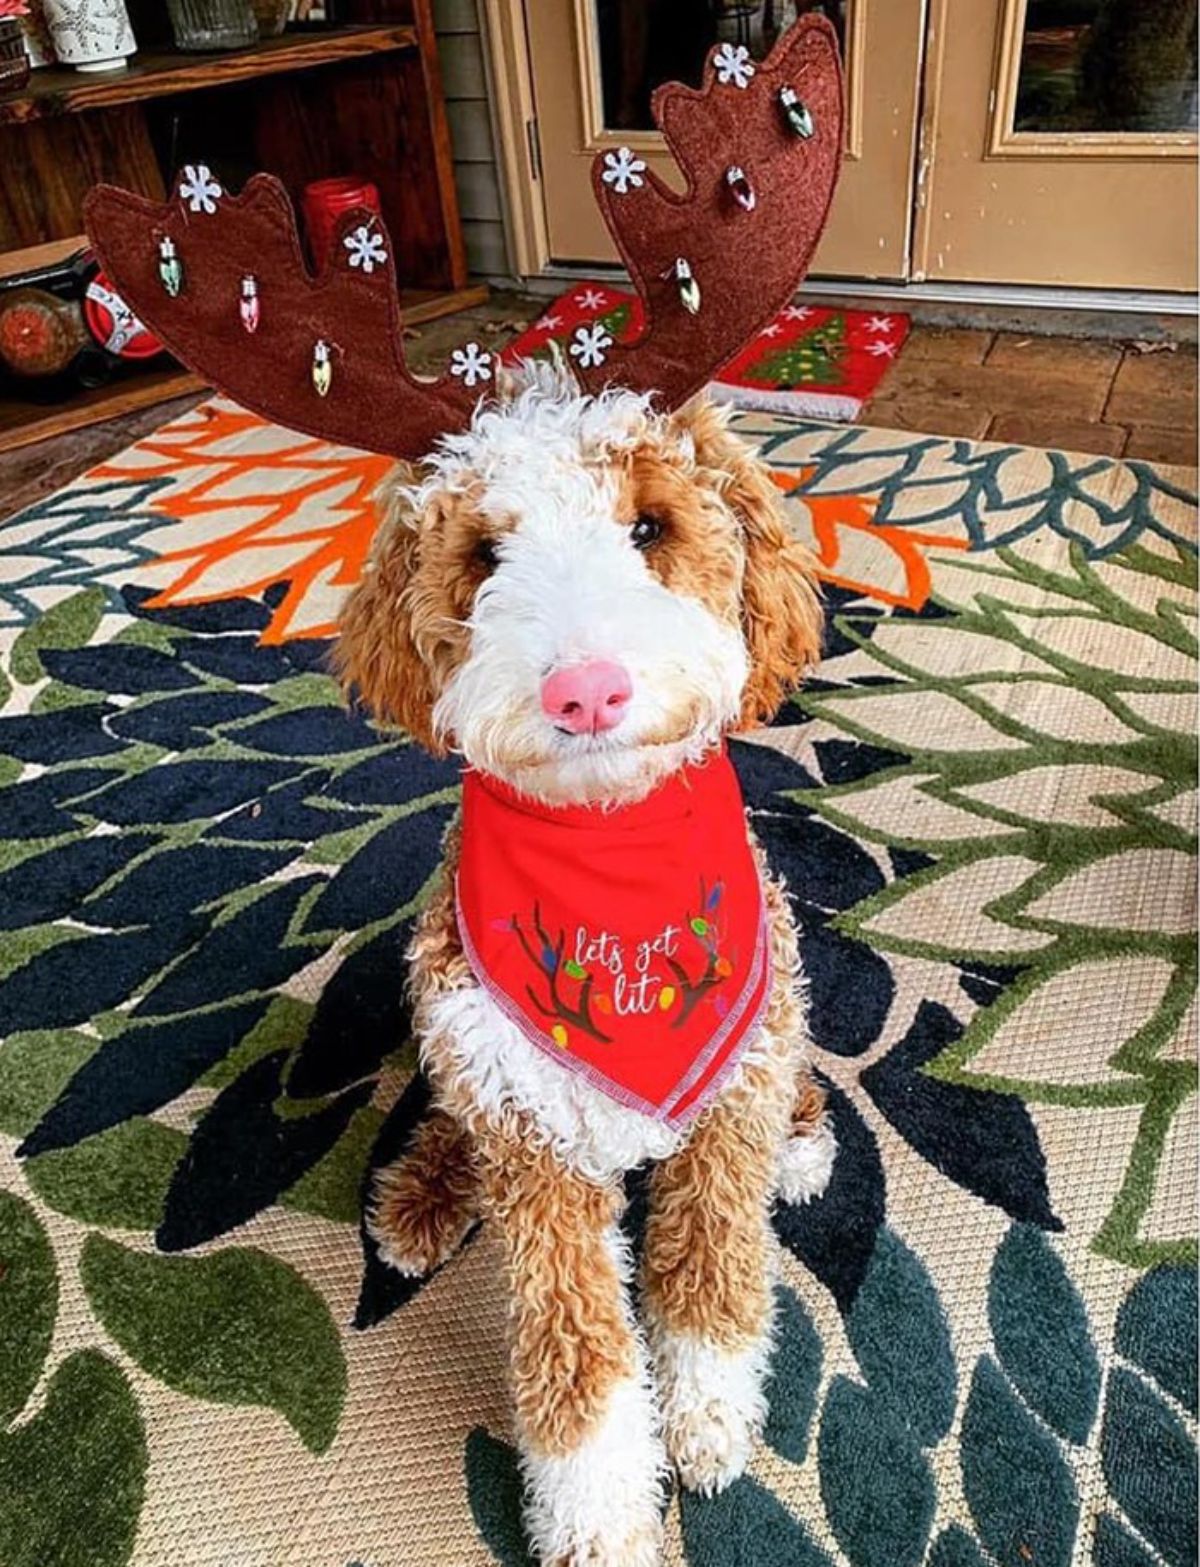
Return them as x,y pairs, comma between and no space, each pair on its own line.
548,957
645,977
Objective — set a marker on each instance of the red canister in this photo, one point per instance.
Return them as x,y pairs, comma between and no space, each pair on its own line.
326,202
113,325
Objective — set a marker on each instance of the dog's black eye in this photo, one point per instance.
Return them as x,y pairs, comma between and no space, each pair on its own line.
485,554
646,532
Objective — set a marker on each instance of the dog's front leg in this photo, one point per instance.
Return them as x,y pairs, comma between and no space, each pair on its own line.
586,1422
709,1271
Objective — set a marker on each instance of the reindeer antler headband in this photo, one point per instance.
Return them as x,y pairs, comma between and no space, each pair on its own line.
222,280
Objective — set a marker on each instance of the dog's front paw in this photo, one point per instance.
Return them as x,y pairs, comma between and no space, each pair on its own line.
601,1505
713,1408
420,1213
641,1550
806,1164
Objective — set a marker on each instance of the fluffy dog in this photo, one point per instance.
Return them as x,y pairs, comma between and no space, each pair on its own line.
560,531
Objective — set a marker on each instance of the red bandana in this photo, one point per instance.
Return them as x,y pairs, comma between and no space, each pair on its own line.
628,944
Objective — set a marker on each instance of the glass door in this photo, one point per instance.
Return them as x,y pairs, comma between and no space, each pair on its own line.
595,64
1061,144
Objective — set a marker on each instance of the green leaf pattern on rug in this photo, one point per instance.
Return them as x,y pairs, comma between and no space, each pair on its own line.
1041,1333
876,1481
1047,797
795,1373
236,1326
746,1525
901,1341
28,1302
1015,1477
954,1547
1156,1331
1150,1465
118,1178
494,1493
72,1478
70,623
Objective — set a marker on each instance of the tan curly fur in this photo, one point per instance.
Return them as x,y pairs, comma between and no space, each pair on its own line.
708,1258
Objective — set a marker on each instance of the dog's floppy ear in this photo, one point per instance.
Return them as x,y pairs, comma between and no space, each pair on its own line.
376,657
782,619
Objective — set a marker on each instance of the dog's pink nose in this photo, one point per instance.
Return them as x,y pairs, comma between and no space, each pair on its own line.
588,698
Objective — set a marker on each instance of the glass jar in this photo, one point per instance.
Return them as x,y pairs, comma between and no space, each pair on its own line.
272,16
213,24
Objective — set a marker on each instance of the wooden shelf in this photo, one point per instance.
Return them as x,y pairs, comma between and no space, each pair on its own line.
53,91
23,423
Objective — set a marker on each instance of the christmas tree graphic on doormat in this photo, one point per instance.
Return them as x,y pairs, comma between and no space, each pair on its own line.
815,358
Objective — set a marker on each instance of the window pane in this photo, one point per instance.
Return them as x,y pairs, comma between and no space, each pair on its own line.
646,42
1108,66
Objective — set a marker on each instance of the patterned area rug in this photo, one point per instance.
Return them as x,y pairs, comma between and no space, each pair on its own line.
986,809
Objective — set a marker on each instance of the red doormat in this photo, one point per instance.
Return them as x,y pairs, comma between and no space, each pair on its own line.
808,360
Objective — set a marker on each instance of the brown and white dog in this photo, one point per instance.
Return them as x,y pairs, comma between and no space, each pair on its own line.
562,529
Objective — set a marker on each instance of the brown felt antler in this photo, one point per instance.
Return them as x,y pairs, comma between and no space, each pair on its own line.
222,281
746,264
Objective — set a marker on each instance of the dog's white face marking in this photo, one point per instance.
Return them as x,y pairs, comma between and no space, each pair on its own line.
571,587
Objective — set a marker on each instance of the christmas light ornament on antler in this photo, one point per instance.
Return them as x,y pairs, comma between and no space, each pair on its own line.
759,146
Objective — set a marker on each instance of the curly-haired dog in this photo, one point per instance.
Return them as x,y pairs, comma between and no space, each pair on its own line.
644,557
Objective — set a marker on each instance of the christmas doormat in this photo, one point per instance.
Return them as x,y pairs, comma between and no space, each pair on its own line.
985,806
809,361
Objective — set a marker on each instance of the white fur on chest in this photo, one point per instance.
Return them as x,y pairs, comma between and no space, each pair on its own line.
587,1130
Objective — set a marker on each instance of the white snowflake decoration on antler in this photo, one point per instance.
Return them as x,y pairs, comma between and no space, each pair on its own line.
622,170
199,189
471,363
733,64
366,249
589,345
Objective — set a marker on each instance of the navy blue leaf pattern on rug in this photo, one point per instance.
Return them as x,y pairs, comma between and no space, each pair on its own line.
385,874
221,615
985,1141
138,1071
54,883
242,1155
71,982
175,881
116,668
834,1235
246,953
850,987
33,807
185,722
186,791
61,736
361,1016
